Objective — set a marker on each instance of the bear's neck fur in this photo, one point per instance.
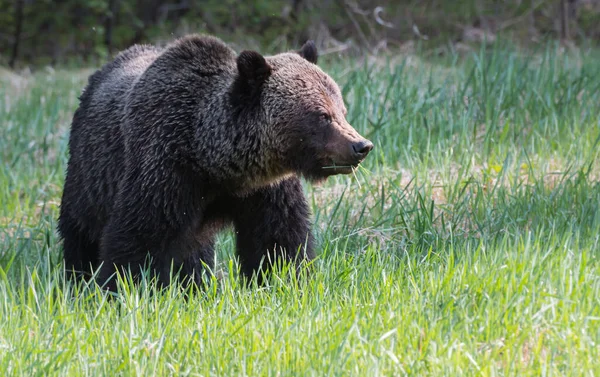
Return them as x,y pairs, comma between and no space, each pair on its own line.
242,157
228,144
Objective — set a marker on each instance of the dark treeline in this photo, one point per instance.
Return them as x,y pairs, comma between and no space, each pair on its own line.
54,31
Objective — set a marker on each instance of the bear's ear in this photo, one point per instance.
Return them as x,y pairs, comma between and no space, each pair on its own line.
253,68
309,52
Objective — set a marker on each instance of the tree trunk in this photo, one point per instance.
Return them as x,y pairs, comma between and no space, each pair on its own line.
295,12
113,9
564,20
18,28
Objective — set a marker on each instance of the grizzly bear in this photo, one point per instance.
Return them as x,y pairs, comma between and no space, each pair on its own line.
170,145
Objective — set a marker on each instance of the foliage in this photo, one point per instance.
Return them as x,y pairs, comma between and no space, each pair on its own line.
468,244
56,31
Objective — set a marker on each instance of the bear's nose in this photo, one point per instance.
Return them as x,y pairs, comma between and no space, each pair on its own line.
362,148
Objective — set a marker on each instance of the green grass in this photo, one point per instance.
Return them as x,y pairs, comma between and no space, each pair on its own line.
469,243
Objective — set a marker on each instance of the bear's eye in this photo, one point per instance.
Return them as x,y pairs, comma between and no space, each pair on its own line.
325,118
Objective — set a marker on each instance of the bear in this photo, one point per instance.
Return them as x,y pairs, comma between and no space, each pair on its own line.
170,145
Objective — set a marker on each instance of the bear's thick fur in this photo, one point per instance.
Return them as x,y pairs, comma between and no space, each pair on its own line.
168,146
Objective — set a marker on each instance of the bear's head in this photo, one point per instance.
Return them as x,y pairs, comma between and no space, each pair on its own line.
304,113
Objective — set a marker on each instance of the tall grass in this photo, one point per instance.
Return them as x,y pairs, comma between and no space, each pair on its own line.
468,243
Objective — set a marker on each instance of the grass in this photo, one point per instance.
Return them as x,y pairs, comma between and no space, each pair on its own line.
467,245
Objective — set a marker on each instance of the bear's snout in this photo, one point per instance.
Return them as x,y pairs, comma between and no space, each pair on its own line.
349,147
347,152
361,149
353,152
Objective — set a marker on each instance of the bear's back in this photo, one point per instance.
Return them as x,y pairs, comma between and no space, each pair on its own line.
145,96
204,55
182,92
188,71
96,144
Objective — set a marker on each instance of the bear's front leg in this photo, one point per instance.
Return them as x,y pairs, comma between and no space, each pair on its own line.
273,223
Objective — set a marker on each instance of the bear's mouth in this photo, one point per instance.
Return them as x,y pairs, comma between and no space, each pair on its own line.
340,168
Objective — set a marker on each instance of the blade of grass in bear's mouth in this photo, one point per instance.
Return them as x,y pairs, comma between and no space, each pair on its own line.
339,167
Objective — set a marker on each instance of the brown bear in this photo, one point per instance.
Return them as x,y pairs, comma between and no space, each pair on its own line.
170,145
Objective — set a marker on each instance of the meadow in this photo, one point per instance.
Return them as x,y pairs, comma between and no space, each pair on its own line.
467,244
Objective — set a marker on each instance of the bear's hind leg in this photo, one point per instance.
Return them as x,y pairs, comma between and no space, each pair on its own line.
121,255
189,258
80,252
186,256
